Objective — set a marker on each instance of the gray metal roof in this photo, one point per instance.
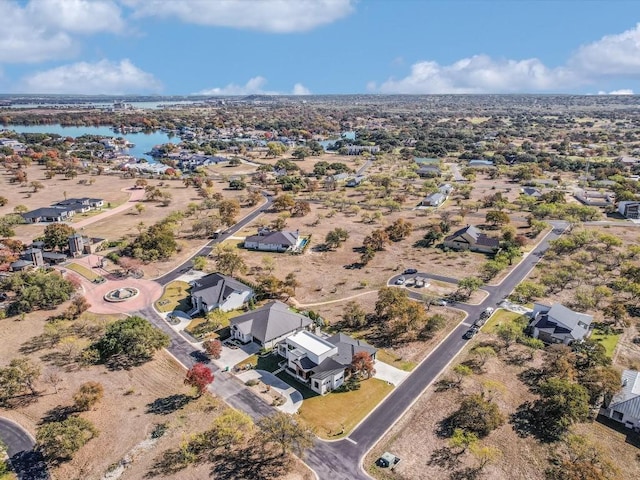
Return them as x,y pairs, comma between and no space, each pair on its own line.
216,287
270,321
288,239
348,347
627,401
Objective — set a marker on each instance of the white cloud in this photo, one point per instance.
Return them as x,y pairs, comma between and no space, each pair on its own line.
252,87
299,89
622,91
611,56
77,16
103,77
42,30
276,16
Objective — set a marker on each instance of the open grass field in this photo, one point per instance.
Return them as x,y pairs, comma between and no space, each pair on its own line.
347,408
608,341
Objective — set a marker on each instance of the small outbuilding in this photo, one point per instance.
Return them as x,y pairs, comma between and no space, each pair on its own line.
387,460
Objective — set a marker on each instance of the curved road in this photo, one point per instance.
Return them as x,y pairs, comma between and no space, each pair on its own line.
342,460
27,463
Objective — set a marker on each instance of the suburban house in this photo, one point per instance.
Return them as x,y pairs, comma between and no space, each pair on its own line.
595,198
35,257
268,241
359,149
625,405
268,325
355,181
81,205
629,209
480,163
433,200
470,238
531,192
559,324
321,363
445,189
429,171
48,214
218,291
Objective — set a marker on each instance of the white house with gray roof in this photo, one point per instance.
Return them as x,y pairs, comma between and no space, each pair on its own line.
268,241
559,324
218,291
625,405
268,325
321,363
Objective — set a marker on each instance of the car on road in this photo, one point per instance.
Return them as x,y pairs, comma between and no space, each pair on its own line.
440,302
487,313
410,271
480,321
471,332
400,281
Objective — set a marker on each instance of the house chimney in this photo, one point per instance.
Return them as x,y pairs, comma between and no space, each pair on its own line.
624,382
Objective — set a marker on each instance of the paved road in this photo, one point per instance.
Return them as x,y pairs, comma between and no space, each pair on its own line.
206,250
342,459
27,463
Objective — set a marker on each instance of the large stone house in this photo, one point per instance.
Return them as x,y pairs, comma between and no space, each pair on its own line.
559,324
268,325
470,238
218,291
321,363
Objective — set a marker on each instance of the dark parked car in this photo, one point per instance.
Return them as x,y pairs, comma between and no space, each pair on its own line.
471,332
410,271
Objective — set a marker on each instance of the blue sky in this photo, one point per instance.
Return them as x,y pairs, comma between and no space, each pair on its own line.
240,47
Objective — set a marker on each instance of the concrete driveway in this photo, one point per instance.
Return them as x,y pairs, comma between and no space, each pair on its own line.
293,398
232,356
390,374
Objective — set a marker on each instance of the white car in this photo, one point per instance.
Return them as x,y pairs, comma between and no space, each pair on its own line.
400,281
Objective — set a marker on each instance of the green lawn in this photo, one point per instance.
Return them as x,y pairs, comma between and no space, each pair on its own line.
174,297
610,342
500,316
391,359
334,415
268,363
198,328
84,271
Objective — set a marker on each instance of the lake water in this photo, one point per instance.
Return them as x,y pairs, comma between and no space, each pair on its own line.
143,142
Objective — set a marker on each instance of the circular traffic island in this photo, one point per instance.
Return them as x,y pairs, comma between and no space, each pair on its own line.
121,294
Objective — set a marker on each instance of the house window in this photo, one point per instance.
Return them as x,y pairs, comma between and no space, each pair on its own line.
617,415
316,384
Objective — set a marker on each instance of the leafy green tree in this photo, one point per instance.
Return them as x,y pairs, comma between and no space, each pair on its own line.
199,262
561,403
336,237
228,211
462,439
229,262
290,434
354,315
399,230
527,290
496,217
156,243
483,353
476,415
36,290
56,235
237,184
578,458
88,395
59,441
376,240
468,285
509,333
130,341
283,202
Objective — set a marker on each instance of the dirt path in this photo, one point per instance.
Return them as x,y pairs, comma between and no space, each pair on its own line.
304,305
136,194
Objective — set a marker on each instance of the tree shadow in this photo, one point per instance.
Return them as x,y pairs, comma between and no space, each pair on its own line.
58,413
37,343
59,359
444,458
528,421
468,473
30,465
250,462
167,405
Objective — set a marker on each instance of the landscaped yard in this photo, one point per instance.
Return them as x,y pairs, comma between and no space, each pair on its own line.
217,321
268,363
499,317
609,341
174,297
84,271
336,414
